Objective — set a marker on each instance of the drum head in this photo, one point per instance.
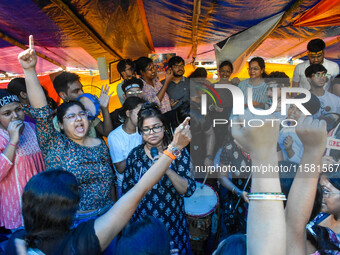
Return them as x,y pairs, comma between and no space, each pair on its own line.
91,104
202,202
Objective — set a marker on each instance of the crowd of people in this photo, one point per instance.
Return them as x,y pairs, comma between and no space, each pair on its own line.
64,190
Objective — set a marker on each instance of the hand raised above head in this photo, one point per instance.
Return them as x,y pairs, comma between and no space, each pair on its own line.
28,58
182,135
312,133
104,97
255,140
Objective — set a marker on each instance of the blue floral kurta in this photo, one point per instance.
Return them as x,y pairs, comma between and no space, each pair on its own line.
90,165
162,201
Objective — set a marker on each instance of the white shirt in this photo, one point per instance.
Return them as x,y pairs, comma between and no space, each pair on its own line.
300,77
120,144
330,101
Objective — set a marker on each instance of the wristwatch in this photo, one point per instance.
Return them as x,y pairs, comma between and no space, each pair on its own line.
174,151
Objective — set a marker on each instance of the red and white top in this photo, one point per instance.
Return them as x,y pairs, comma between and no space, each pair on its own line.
28,161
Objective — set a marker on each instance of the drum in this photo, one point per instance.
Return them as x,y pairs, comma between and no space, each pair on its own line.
91,104
200,208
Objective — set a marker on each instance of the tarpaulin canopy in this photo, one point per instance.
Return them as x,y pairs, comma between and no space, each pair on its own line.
74,33
325,13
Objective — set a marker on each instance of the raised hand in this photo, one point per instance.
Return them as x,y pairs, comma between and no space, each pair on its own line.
182,135
312,133
28,58
104,97
256,140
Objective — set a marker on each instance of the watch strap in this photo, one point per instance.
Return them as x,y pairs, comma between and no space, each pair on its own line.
169,154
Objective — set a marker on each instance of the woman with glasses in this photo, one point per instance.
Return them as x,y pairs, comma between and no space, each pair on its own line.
125,137
20,158
72,149
165,200
256,82
153,90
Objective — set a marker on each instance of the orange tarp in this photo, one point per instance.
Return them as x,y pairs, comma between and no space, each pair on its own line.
325,13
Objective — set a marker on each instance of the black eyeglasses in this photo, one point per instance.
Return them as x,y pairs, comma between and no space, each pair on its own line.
156,129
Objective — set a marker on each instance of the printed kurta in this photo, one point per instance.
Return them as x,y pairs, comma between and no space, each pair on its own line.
90,165
162,201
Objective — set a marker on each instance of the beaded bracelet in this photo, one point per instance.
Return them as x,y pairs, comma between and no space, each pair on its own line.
267,196
12,144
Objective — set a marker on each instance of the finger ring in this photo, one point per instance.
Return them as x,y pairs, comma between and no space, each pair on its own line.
181,127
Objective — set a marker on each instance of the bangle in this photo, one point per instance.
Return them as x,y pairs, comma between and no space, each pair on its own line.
12,144
267,196
266,193
169,154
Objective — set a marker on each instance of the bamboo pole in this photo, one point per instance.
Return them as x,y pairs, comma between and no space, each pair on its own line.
194,37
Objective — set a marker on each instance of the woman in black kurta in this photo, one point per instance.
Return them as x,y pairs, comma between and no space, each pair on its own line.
165,200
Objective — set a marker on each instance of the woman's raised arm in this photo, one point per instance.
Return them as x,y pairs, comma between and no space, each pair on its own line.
28,61
312,134
266,230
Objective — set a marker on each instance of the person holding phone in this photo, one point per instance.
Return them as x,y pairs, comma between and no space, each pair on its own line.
153,90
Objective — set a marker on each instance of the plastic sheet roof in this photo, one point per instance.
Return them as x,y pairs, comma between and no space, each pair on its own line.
74,33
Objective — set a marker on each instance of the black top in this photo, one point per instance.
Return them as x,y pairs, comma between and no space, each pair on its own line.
179,91
79,241
115,118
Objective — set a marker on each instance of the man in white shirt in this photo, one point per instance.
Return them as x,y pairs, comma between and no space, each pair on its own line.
315,56
317,77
